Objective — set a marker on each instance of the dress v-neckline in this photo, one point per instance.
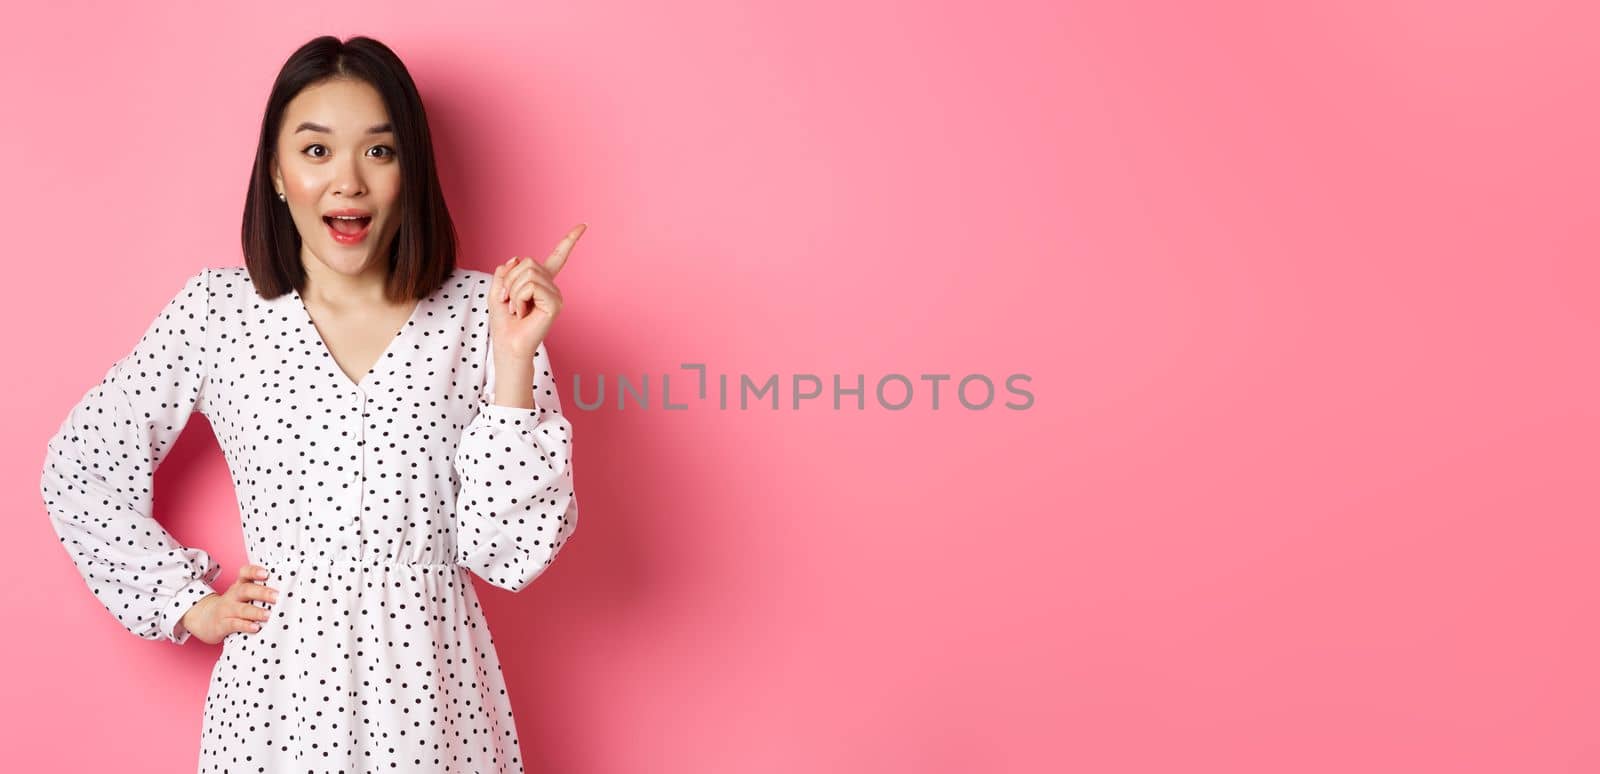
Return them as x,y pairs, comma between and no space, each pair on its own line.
333,362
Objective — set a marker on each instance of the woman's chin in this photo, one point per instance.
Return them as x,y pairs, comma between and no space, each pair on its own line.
339,259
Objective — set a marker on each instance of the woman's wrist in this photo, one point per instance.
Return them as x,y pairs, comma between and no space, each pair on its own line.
513,381
183,622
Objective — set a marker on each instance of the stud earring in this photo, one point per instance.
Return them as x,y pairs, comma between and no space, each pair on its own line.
281,197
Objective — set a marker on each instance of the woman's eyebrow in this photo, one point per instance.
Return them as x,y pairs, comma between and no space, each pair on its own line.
307,126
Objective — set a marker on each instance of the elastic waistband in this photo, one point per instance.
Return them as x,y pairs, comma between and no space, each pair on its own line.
345,560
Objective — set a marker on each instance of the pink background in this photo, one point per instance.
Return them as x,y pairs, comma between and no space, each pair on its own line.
1308,296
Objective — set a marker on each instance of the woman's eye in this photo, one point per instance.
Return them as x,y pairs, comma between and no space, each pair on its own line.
318,150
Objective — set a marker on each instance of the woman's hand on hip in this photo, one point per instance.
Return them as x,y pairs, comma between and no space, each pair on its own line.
216,616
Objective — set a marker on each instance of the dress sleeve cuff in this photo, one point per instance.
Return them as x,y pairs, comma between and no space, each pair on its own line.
525,419
172,616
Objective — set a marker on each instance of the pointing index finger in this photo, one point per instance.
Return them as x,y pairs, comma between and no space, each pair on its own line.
559,257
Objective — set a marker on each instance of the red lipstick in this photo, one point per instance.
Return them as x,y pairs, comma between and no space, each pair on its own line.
348,226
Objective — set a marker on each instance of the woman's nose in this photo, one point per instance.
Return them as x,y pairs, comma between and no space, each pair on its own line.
349,182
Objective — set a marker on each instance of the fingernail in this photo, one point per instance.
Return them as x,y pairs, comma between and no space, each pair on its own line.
255,627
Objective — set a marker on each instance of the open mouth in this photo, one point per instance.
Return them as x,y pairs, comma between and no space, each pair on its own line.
348,230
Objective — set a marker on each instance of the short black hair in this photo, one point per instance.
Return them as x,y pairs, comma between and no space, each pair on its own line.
423,253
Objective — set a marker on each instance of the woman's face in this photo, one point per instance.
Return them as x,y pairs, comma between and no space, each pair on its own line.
336,156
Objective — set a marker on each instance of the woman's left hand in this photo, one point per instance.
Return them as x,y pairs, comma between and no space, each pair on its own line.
524,300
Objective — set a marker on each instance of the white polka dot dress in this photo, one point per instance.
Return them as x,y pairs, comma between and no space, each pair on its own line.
367,502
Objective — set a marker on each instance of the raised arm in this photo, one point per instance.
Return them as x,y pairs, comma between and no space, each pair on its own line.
516,507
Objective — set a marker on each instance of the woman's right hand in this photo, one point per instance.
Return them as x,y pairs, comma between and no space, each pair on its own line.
216,616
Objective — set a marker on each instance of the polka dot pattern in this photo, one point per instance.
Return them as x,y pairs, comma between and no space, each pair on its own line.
368,501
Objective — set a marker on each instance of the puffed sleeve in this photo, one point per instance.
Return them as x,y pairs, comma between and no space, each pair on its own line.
515,507
99,473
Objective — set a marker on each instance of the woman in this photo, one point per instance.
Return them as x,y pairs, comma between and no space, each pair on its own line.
390,422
